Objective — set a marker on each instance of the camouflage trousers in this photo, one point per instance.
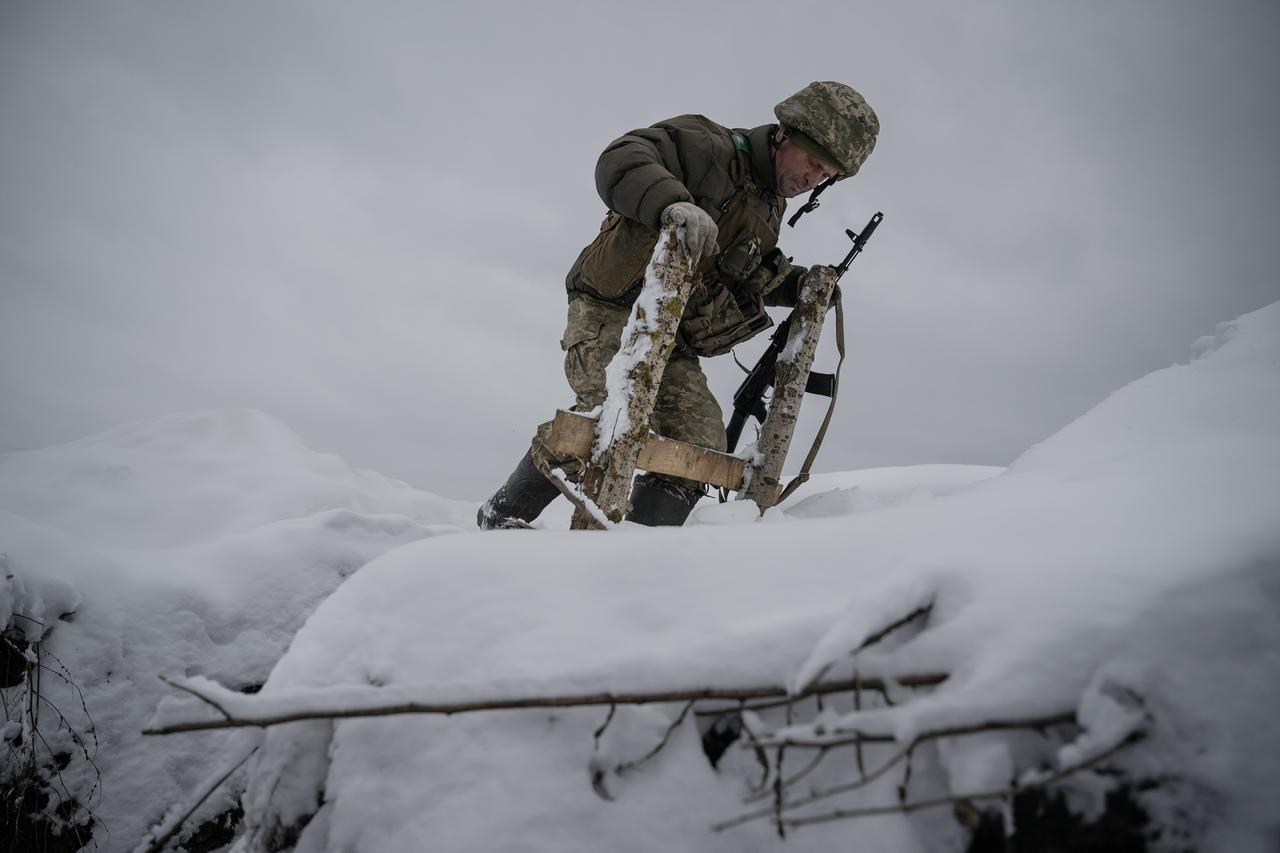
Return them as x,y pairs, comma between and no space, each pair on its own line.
685,410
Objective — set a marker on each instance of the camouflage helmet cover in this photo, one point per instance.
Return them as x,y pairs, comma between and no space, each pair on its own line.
837,118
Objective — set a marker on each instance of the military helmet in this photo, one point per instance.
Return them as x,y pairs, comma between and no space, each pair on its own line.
835,117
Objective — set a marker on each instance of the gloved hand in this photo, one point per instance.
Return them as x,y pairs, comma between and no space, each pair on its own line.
699,229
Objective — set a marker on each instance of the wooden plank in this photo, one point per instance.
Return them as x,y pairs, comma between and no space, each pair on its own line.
667,456
573,434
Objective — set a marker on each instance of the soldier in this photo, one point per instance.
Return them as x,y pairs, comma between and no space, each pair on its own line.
727,188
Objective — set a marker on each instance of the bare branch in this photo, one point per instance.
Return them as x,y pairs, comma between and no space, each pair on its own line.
824,688
762,758
631,765
897,758
920,612
186,688
813,764
613,709
779,796
906,777
840,735
1012,790
857,706
563,701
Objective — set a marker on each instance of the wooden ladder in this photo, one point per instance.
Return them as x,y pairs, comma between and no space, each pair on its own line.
616,442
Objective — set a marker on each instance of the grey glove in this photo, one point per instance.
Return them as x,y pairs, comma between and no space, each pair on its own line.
697,229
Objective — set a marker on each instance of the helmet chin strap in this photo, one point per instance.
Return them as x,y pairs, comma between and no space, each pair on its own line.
812,204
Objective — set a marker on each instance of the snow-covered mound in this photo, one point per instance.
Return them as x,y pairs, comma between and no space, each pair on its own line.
1043,591
188,478
183,545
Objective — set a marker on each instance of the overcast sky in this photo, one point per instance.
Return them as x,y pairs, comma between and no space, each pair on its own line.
358,216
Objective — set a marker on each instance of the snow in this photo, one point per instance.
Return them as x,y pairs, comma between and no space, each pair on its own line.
1123,572
183,545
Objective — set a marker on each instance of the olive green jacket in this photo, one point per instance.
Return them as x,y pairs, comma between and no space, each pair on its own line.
729,174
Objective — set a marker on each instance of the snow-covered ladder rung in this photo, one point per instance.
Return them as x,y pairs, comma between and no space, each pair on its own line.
573,433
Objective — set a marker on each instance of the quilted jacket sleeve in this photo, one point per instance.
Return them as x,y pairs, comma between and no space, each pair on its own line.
642,172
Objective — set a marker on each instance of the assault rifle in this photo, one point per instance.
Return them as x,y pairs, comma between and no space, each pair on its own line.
748,400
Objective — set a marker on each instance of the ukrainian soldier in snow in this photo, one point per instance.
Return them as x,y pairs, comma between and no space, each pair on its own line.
727,189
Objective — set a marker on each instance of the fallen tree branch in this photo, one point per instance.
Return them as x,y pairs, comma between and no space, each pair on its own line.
826,688
893,761
1010,791
327,708
841,736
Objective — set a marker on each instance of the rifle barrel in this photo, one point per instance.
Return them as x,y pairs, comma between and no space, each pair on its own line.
859,241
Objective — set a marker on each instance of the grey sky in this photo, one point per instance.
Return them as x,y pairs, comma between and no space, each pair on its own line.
358,217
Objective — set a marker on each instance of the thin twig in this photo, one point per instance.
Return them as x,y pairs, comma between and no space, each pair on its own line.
631,765
607,720
84,705
779,795
795,777
919,612
1010,791
186,688
814,797
893,761
79,741
857,706
762,758
906,776
877,636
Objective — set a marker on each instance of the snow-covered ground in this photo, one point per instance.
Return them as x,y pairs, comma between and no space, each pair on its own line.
191,544
1125,571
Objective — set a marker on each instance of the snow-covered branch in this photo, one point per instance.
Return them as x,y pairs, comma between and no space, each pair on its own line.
238,710
1036,782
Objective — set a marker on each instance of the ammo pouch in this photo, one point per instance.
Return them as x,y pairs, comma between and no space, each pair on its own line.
719,318
773,270
741,259
613,266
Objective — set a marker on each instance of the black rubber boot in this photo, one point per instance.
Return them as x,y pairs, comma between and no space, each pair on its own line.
519,500
656,502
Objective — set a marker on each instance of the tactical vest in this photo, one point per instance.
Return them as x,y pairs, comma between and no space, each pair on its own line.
727,305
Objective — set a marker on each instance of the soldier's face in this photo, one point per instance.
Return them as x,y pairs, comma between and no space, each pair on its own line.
797,171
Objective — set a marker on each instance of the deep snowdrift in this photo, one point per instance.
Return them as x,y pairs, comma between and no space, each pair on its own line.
184,545
1124,570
